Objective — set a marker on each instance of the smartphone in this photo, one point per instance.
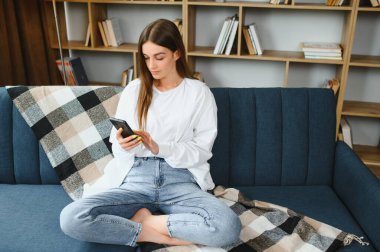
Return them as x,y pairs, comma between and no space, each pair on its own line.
119,123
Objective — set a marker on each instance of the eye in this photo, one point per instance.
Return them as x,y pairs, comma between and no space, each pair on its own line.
160,58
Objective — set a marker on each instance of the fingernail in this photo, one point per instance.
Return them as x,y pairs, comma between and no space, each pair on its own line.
139,138
134,136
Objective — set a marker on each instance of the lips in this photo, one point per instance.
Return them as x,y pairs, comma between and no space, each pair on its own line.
154,72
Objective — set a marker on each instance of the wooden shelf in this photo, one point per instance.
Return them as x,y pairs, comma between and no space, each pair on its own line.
137,2
269,55
303,6
99,83
365,61
361,109
121,2
363,9
370,155
79,45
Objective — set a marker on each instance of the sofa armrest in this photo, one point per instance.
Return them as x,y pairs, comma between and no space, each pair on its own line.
359,189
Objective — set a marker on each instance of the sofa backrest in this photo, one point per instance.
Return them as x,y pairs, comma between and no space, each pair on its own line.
274,136
22,159
266,136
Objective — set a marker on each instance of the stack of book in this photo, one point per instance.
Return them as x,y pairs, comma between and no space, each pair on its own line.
126,76
227,36
252,39
110,32
322,50
335,2
74,71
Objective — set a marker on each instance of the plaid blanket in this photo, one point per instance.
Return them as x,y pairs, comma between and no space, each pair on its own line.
269,227
72,125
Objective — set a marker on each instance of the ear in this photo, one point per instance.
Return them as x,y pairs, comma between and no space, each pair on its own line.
177,55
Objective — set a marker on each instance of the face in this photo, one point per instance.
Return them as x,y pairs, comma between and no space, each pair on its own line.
160,61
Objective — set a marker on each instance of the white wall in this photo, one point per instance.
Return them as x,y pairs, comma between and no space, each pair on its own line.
278,29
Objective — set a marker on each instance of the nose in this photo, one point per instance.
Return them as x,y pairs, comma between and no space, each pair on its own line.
151,64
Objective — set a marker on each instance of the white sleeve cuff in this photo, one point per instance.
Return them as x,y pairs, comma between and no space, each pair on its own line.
164,150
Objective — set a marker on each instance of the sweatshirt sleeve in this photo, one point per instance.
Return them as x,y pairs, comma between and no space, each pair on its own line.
197,150
126,99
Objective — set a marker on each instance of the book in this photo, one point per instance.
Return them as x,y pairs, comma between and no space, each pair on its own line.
126,76
227,34
88,35
323,57
114,31
221,34
320,47
346,131
232,37
74,70
178,23
256,39
102,34
70,80
328,54
248,41
375,3
106,32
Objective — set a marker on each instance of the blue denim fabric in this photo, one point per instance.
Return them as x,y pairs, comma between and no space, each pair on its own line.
194,215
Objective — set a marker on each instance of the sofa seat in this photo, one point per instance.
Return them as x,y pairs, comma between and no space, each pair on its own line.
318,202
29,217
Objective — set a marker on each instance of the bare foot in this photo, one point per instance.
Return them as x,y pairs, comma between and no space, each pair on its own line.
154,229
140,215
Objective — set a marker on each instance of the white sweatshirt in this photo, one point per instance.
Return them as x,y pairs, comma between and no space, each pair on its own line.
182,121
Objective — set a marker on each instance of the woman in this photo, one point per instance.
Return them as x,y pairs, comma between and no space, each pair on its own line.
163,167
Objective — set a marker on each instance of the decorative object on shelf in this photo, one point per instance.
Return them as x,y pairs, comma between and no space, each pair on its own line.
334,85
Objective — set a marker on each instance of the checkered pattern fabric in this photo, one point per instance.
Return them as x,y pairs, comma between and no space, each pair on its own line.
269,227
72,126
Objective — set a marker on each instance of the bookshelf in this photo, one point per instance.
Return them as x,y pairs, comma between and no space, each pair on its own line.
198,53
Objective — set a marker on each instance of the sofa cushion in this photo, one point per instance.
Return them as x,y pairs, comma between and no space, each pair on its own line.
274,136
318,202
29,217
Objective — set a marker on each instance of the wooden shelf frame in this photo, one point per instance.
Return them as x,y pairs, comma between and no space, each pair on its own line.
97,10
361,109
365,61
370,155
303,6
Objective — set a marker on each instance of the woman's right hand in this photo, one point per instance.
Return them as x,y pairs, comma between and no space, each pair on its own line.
127,143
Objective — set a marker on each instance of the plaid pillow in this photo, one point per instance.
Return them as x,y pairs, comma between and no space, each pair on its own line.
72,126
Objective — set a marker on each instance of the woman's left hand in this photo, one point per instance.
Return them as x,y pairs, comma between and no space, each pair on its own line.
148,141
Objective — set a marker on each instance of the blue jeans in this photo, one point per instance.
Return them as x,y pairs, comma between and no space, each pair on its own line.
193,215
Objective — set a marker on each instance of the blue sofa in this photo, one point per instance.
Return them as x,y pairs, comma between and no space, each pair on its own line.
276,145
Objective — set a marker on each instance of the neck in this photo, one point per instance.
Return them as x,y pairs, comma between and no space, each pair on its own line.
168,82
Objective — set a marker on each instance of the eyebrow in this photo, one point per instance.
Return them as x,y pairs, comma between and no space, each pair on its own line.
155,54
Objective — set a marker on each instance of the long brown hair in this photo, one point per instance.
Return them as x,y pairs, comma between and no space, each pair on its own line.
163,33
